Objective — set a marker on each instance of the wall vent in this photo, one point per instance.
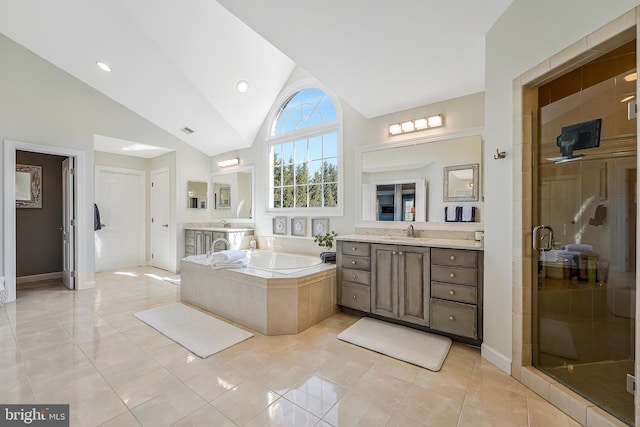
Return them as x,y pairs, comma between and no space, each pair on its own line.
187,130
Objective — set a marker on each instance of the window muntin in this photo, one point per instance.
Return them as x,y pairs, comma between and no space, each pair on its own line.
305,165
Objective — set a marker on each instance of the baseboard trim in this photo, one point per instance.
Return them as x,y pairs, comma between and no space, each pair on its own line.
39,277
501,361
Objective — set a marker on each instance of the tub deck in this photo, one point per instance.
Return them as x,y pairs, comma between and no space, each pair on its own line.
266,301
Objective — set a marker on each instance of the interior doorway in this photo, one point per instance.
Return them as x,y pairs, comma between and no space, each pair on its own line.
83,273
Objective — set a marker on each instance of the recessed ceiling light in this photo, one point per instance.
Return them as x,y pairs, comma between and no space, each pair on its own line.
103,66
242,86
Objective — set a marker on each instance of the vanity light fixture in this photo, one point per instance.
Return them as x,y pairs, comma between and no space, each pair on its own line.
103,66
230,162
422,123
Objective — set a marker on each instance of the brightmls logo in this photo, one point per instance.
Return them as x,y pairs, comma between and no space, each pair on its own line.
34,415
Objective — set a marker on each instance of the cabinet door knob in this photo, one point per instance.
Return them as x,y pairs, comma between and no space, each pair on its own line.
353,248
393,253
354,296
452,257
353,262
452,275
451,317
400,253
353,275
452,292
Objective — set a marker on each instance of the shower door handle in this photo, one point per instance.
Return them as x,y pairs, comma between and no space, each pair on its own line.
540,233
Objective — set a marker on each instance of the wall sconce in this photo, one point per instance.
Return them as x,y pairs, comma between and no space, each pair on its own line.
230,162
422,123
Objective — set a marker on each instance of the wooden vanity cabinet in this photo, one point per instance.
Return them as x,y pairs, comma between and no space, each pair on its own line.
436,288
456,277
354,277
198,242
400,282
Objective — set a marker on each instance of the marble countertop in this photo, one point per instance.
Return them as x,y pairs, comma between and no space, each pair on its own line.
415,241
223,229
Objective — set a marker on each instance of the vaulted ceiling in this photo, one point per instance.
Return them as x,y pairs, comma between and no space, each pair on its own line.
177,63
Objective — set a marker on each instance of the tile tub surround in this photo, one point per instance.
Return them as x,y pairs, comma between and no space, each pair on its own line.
114,370
265,301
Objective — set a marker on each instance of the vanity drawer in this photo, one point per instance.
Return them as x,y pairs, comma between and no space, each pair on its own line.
356,262
454,318
355,248
356,276
189,250
465,276
454,257
448,291
355,296
189,234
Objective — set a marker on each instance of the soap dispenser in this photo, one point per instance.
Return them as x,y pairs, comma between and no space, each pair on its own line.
253,244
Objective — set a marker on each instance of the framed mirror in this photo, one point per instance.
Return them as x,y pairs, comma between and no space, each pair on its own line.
460,183
196,195
28,186
233,197
418,162
223,196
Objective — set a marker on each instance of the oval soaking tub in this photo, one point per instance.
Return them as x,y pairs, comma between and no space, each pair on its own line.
276,294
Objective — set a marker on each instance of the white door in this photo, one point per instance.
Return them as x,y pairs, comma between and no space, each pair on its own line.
68,222
160,219
120,197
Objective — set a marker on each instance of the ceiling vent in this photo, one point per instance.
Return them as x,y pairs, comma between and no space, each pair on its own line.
187,130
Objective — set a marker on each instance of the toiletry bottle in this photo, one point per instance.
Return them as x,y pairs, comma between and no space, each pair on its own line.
253,244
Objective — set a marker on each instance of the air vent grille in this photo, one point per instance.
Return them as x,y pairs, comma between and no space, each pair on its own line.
187,130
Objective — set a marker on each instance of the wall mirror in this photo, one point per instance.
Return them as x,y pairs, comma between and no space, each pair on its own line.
460,183
28,186
413,170
233,197
196,195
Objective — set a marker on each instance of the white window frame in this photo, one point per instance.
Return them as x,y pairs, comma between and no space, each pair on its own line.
335,126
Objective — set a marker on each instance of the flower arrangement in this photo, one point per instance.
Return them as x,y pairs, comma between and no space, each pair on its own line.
325,240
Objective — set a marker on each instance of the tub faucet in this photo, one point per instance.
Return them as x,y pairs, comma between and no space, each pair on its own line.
227,245
225,223
410,231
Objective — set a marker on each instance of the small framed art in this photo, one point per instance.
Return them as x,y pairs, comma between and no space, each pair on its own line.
299,227
319,226
280,225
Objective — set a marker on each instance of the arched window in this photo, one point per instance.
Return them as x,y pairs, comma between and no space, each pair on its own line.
304,153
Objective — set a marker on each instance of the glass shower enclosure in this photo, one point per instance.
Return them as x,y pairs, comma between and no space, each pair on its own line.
584,205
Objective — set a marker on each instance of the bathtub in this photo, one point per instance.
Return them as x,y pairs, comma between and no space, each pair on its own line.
276,294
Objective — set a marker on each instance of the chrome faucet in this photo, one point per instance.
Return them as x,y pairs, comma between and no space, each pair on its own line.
410,231
225,223
227,245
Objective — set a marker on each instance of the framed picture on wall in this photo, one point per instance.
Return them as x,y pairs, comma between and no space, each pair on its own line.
319,226
280,225
299,227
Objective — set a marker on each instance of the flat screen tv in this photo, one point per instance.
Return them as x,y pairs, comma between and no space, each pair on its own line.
579,137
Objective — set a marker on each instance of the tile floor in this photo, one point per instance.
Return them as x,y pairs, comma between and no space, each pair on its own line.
86,349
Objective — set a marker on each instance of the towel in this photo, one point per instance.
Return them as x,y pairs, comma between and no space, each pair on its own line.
227,256
96,218
578,247
468,214
239,263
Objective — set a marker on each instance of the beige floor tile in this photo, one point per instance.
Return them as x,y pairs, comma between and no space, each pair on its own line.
357,410
283,413
96,410
429,407
206,415
216,382
88,348
168,407
316,394
126,419
141,388
244,402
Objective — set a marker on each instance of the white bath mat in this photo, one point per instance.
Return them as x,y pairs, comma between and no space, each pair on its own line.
402,343
196,331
